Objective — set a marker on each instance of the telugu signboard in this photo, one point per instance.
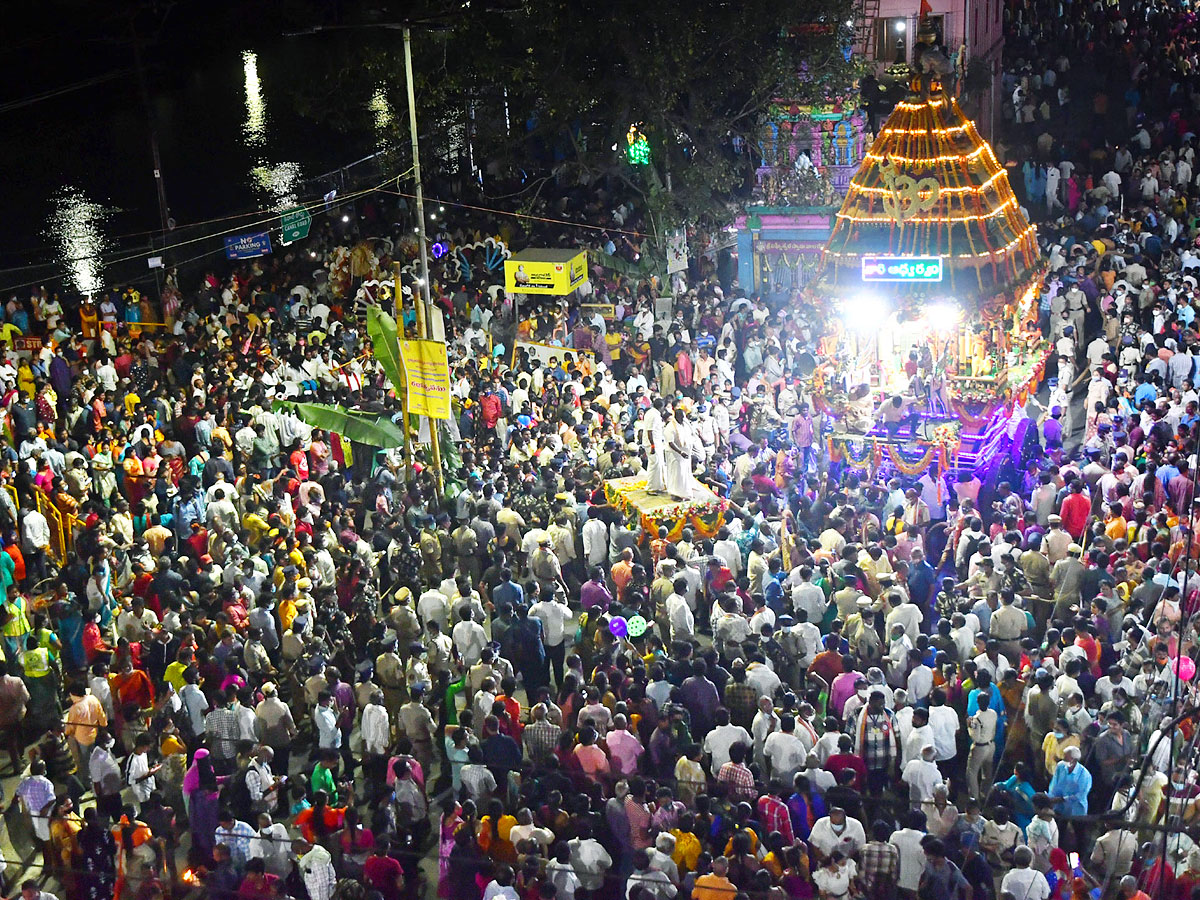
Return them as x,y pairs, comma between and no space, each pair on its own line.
248,246
427,378
913,269
556,272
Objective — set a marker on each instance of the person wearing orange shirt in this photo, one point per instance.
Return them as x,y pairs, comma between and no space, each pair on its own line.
1115,525
1086,640
716,884
320,819
85,718
13,548
622,573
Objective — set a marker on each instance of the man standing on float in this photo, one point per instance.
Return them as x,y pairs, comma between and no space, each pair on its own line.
654,442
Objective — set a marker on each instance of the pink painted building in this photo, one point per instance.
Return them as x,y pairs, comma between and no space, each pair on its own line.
888,30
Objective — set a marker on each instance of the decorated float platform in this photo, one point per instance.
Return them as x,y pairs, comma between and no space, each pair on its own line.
928,287
704,513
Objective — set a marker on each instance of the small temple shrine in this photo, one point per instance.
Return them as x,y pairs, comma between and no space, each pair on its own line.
807,156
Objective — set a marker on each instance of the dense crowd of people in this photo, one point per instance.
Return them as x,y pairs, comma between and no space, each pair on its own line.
268,662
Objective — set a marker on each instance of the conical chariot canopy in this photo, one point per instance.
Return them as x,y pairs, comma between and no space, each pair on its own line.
931,187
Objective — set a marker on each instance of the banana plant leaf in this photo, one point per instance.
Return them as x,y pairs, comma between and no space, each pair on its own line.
385,339
365,428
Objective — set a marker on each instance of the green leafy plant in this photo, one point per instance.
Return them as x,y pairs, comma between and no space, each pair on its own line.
371,429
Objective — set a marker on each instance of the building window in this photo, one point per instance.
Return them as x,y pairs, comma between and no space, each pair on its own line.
892,38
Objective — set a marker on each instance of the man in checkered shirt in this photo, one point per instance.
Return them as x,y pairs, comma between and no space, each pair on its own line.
541,736
880,863
740,780
876,739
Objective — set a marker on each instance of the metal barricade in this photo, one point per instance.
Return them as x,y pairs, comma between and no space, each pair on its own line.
58,544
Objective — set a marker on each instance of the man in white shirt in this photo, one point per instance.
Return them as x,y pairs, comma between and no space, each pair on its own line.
906,613
727,550
808,596
921,775
679,616
1023,881
1115,678
762,677
784,751
945,724
589,859
654,883
595,538
375,727
138,772
469,638
718,741
433,606
912,855
918,735
766,723
920,678
837,831
272,844
261,781
554,615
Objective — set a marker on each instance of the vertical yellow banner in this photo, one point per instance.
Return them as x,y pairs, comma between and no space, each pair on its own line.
426,378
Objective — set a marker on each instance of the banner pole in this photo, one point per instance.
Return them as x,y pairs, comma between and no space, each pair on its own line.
435,448
402,389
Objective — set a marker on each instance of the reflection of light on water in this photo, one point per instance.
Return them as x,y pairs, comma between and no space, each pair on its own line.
75,228
254,129
278,181
382,111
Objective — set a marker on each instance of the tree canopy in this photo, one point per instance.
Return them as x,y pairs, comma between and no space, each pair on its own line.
550,88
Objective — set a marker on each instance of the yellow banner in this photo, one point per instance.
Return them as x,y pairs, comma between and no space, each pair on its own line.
426,378
559,274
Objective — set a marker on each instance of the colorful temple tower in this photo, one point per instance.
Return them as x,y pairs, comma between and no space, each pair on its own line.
807,157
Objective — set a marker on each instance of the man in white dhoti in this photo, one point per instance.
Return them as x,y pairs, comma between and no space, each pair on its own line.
678,468
655,444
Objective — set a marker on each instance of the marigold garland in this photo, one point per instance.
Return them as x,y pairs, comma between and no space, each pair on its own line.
973,421
912,468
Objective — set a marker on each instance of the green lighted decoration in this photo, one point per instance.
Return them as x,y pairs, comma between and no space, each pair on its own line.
638,149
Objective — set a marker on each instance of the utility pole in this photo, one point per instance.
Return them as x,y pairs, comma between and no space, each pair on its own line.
164,213
423,305
400,389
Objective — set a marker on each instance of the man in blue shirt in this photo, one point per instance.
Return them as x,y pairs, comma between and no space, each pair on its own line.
921,579
1071,784
508,591
773,587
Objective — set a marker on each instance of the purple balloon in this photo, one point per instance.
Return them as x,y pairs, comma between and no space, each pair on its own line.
618,627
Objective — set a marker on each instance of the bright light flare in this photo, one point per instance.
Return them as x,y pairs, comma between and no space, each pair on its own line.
943,317
864,312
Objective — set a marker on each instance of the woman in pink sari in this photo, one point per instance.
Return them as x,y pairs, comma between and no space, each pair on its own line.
452,820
